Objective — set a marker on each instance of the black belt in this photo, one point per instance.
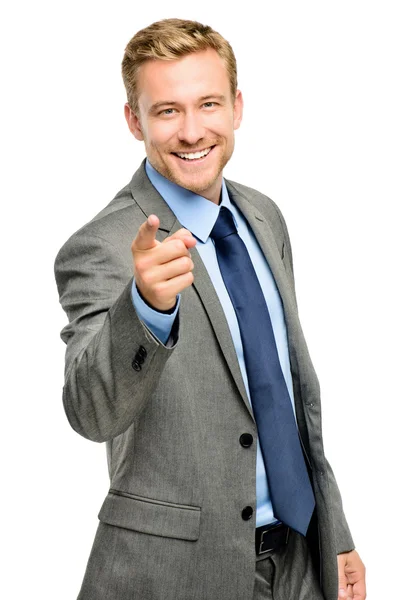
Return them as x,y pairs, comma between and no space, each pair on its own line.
271,537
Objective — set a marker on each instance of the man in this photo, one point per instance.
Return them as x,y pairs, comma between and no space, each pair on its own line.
189,360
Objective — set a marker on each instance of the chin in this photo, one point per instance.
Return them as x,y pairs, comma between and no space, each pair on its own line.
196,185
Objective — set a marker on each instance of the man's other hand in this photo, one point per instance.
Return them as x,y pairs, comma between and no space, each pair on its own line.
351,576
162,269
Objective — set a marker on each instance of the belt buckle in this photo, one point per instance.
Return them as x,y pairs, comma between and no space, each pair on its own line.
260,550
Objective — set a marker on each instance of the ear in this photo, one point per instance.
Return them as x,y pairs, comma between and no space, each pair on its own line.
237,110
133,122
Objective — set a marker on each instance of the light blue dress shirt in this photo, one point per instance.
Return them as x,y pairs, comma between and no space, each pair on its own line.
198,215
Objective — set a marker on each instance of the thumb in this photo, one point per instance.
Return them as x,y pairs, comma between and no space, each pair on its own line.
146,236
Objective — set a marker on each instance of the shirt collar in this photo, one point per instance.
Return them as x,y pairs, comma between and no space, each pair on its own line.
197,214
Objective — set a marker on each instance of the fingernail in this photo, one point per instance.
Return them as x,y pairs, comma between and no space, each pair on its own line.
342,593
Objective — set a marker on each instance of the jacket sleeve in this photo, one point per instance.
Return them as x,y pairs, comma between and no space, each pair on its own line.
344,540
105,385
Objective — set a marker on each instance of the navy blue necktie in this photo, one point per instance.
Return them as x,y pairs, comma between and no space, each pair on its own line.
289,484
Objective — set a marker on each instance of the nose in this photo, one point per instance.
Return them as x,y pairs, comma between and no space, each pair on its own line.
192,129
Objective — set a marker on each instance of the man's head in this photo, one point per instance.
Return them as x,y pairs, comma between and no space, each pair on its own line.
181,84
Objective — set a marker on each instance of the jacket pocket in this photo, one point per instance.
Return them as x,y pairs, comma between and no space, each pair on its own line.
154,517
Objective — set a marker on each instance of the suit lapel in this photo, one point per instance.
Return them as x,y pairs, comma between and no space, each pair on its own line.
150,202
302,370
266,240
206,291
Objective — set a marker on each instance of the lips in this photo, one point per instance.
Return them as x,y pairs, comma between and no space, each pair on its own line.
194,156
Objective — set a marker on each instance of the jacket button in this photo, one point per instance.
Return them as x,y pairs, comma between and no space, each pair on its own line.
139,358
142,352
136,365
247,513
246,440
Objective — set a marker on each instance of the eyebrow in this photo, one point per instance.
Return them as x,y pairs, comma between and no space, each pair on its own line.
154,107
157,105
219,97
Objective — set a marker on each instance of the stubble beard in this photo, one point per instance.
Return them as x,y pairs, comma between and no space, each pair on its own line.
196,188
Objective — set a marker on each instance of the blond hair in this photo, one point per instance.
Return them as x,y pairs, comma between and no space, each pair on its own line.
170,39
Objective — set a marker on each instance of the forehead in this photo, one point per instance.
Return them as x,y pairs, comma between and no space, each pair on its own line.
184,80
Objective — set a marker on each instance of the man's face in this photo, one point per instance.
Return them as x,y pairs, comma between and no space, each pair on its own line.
186,108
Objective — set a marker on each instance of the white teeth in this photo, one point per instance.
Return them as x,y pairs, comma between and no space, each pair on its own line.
193,155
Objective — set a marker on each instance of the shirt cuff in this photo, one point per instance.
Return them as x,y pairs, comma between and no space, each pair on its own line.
160,324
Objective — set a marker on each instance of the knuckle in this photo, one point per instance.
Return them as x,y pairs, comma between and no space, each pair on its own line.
143,263
186,263
179,246
159,290
146,278
138,267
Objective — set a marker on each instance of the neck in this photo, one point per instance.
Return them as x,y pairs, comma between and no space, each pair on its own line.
214,192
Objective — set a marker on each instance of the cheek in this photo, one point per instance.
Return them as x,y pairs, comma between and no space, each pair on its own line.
162,133
222,125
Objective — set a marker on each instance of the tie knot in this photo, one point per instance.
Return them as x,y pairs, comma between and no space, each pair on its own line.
224,225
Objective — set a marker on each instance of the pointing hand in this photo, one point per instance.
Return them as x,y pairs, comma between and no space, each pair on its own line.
162,269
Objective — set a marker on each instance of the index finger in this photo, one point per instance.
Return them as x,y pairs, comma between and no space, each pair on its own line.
146,236
182,234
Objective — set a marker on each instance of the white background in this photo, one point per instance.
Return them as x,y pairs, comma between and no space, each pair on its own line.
320,135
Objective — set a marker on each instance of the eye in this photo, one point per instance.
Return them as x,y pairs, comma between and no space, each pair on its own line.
209,104
167,111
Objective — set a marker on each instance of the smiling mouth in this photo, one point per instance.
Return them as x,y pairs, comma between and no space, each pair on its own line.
194,156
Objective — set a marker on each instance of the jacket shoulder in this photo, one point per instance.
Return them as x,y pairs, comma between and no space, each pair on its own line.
267,207
116,224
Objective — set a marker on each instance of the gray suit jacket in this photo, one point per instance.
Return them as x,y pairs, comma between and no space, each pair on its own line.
171,526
